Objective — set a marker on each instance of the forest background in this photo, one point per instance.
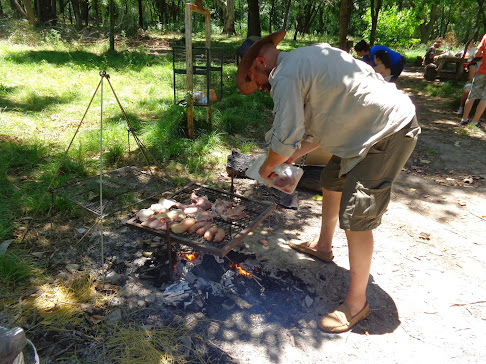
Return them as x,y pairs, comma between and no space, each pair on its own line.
395,23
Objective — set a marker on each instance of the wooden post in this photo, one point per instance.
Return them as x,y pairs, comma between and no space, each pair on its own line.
189,75
208,62
189,67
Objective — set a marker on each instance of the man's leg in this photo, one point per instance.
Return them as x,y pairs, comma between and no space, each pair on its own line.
467,110
464,96
330,216
478,91
479,111
360,247
355,306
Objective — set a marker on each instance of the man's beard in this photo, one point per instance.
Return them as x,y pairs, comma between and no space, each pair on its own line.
266,87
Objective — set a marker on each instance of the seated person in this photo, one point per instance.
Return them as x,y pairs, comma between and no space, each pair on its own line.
383,64
431,53
367,53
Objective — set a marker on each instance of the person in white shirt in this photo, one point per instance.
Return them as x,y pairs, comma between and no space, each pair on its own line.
324,97
472,65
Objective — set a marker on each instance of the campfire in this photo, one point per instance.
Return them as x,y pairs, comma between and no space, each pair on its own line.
201,272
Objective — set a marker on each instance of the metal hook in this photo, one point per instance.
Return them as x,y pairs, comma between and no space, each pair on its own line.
104,74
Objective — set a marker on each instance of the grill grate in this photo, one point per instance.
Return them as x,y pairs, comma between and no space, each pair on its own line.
236,230
122,188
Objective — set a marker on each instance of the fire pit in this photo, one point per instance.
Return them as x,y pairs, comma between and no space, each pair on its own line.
236,229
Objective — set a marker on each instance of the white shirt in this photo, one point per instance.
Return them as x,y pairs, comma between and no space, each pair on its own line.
325,96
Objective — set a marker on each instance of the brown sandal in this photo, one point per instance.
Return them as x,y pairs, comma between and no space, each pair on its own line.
304,248
340,320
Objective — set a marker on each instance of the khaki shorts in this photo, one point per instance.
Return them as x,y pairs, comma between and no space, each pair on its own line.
367,187
478,89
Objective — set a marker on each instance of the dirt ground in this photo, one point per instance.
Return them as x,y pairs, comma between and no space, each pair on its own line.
426,289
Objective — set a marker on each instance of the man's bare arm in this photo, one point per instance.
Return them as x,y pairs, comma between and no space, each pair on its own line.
305,147
274,159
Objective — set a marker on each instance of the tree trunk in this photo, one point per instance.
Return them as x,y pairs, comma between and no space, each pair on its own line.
70,11
112,25
30,13
96,10
271,15
344,18
46,12
426,27
228,7
478,18
84,11
77,13
254,27
287,10
306,15
320,19
18,10
375,11
302,16
62,9
161,11
140,14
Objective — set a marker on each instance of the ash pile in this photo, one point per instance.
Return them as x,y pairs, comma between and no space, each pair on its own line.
210,284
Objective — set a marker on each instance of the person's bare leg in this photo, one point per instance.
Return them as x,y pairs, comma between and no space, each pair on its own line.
330,215
464,96
360,247
467,108
479,111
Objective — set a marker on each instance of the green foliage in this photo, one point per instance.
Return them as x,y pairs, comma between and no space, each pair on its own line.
53,37
433,152
395,27
12,270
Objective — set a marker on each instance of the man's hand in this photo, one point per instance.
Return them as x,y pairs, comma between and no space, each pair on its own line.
266,171
273,159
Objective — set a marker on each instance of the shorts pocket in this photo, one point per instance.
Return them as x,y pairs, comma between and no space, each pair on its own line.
371,202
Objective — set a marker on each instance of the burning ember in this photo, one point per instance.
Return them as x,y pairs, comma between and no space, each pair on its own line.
190,257
240,270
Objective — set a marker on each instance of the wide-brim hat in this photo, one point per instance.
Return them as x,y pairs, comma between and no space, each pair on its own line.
245,85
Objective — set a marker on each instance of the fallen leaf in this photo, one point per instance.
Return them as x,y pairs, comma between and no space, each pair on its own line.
468,179
425,161
425,236
317,198
461,203
456,144
88,307
263,242
96,319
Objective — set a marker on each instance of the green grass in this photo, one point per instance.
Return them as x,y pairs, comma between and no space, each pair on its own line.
50,86
433,152
13,271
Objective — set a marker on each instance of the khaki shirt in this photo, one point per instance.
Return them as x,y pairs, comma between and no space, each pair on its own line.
325,96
